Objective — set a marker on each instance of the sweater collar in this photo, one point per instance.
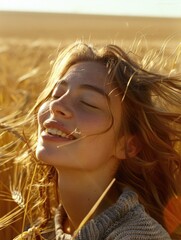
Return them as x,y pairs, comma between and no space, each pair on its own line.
99,226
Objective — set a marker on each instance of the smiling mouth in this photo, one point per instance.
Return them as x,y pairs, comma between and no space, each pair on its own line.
59,133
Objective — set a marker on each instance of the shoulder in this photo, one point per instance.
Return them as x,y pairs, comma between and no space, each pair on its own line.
139,230
135,223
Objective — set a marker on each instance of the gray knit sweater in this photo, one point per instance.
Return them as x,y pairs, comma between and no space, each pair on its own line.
126,220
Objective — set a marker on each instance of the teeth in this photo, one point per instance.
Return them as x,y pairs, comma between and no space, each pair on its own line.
54,131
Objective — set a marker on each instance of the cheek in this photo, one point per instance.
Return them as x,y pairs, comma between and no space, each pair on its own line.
96,123
43,113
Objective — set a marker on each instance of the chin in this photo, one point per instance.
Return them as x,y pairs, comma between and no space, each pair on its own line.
46,156
42,155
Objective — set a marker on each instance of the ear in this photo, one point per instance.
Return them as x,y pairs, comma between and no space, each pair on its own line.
128,147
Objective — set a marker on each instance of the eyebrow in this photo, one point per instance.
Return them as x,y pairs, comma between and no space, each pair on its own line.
93,88
86,86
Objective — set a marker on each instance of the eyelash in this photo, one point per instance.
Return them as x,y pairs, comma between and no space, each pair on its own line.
85,103
89,105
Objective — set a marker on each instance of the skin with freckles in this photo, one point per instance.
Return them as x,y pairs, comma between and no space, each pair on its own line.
81,100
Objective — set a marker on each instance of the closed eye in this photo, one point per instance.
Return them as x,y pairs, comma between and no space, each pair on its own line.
89,105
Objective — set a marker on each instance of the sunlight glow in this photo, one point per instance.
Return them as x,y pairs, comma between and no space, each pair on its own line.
156,8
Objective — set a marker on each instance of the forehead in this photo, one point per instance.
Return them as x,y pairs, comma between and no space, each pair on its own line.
92,73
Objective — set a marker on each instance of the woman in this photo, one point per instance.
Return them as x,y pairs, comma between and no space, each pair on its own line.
111,130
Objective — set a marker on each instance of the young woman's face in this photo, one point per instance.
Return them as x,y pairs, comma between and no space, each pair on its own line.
79,125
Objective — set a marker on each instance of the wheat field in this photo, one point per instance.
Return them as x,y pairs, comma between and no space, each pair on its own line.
24,67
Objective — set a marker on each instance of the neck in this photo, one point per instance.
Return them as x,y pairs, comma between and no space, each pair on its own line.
79,192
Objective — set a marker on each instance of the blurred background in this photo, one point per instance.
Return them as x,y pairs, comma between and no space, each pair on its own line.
91,19
30,34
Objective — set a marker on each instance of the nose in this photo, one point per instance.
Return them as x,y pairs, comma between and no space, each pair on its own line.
59,107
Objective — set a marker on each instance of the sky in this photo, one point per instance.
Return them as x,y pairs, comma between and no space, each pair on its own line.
153,8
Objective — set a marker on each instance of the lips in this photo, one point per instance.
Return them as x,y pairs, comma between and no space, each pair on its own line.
55,129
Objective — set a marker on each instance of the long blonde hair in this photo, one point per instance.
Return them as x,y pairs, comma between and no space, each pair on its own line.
151,111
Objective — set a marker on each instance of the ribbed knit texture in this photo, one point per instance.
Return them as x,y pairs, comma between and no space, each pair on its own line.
126,220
